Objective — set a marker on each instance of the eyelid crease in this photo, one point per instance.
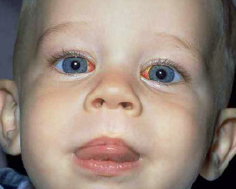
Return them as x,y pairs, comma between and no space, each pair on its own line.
69,53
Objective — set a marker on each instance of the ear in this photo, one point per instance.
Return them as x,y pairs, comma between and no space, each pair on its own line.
223,148
9,116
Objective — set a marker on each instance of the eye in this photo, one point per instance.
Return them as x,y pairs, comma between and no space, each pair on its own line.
162,74
74,65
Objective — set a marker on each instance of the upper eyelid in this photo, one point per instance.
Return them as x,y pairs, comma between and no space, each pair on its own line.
69,53
159,62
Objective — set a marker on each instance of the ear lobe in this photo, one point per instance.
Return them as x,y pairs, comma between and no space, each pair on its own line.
223,148
9,128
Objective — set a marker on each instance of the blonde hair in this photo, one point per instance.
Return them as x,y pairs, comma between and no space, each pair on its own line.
26,21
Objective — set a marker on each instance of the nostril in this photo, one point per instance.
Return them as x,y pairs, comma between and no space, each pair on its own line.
127,105
98,103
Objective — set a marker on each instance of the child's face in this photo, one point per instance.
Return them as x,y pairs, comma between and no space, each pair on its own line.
167,122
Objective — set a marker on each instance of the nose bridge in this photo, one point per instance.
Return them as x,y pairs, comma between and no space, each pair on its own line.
113,92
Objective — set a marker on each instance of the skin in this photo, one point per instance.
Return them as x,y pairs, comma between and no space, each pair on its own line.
168,125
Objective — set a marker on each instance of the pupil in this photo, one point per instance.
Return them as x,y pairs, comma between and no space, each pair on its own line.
161,74
75,65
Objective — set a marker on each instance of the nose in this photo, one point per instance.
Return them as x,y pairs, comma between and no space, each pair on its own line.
113,92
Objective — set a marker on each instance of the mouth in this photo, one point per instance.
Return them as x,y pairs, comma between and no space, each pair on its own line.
106,156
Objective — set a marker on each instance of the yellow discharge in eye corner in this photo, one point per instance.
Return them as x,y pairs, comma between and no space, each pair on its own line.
145,73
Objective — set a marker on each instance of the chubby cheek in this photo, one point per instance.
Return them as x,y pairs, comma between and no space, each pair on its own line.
47,124
179,138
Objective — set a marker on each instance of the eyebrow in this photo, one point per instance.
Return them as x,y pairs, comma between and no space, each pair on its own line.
63,28
86,26
194,50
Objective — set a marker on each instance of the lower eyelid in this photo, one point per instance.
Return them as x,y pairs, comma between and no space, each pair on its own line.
73,77
152,84
156,84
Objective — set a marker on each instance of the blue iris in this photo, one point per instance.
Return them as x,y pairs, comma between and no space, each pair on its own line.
73,65
163,74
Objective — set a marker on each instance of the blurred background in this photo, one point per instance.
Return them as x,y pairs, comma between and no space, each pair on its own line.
9,16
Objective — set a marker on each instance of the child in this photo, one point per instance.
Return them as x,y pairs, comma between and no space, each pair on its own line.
120,94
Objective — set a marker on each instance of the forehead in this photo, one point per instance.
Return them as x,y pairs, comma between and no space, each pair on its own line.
189,24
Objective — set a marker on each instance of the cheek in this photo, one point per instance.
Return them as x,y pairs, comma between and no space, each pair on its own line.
179,136
42,118
48,123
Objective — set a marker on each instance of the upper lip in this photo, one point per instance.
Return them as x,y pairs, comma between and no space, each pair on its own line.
107,141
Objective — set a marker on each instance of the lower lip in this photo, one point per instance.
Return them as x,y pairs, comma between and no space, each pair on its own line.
106,168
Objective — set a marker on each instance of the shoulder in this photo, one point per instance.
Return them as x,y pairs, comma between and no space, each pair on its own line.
10,179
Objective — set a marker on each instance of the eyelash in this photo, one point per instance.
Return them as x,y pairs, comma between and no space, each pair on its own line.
169,63
161,62
66,54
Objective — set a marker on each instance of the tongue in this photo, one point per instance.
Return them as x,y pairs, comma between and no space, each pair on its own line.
107,153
